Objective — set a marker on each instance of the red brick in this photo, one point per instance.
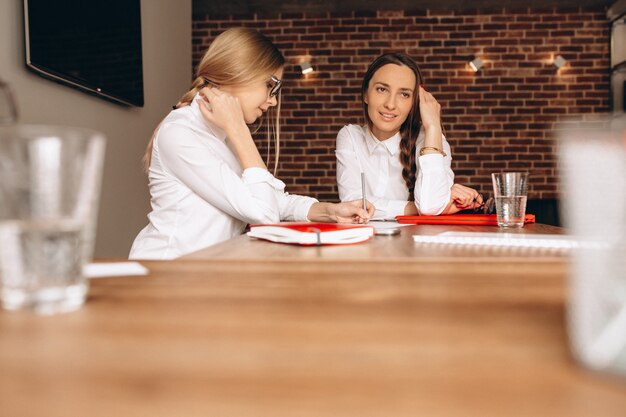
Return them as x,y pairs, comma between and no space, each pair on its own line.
499,118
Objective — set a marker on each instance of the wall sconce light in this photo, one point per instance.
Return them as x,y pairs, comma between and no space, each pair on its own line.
476,64
559,61
306,67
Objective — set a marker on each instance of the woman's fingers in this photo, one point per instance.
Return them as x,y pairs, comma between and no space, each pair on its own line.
478,200
220,108
462,193
466,197
370,209
205,109
430,109
352,212
209,92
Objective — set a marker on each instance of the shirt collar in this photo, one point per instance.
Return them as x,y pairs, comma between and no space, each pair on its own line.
200,121
391,145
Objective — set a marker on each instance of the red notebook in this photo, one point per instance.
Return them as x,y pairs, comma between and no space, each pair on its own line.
312,234
466,219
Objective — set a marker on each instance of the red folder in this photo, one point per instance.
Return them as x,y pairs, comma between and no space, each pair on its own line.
311,234
458,219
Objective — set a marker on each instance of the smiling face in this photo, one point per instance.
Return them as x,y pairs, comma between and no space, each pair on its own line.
389,99
255,98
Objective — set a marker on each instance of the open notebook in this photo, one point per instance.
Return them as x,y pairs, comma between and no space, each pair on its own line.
511,240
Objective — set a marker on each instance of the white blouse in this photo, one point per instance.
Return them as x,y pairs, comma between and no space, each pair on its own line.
199,194
359,151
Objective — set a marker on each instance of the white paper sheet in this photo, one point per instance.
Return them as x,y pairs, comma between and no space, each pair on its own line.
114,269
506,240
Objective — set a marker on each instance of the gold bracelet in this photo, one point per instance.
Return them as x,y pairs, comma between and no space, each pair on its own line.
432,148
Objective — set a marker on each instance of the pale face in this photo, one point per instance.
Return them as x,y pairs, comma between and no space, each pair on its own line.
389,98
254,98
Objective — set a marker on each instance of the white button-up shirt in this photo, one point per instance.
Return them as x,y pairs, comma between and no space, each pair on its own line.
359,151
200,195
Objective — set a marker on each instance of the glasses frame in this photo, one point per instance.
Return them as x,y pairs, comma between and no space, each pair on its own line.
274,91
276,88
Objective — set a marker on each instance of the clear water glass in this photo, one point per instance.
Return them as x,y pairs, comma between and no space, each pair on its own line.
49,192
510,193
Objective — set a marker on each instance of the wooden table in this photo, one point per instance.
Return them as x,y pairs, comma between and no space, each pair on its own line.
250,328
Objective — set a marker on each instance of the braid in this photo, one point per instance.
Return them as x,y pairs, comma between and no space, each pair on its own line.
408,146
196,86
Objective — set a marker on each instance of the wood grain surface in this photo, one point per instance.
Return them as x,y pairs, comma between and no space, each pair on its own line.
310,334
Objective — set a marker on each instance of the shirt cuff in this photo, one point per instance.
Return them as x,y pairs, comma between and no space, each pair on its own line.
302,211
257,175
432,162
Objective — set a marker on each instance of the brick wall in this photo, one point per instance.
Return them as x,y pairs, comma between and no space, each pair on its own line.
500,118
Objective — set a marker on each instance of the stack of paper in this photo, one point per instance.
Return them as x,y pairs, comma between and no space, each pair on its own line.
505,240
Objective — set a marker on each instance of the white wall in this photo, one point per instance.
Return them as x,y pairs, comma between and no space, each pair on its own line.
166,39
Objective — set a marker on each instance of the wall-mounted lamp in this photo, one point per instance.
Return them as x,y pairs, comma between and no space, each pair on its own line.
476,64
559,61
306,67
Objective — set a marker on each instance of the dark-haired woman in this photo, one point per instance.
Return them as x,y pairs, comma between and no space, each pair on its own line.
401,150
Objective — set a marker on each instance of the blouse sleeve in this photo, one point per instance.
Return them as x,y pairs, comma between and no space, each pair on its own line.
252,197
294,207
434,180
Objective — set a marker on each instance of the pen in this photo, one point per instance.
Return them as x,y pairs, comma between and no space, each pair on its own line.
363,191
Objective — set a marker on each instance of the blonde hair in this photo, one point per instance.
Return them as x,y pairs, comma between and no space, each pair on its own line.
236,57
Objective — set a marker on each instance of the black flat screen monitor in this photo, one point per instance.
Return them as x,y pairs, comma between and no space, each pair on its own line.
91,45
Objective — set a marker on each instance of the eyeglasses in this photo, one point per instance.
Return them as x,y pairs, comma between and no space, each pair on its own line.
276,87
487,207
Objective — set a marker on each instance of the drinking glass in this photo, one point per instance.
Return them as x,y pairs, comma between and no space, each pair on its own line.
510,192
593,177
49,192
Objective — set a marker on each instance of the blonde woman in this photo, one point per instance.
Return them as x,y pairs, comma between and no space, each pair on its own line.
401,150
207,179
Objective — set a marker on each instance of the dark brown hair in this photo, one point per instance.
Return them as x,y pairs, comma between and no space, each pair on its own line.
412,125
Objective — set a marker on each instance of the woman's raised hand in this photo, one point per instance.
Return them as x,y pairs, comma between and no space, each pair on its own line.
430,110
220,108
224,111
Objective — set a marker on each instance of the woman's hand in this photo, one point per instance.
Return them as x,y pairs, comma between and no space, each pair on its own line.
346,212
221,109
430,113
430,110
224,111
352,212
463,198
